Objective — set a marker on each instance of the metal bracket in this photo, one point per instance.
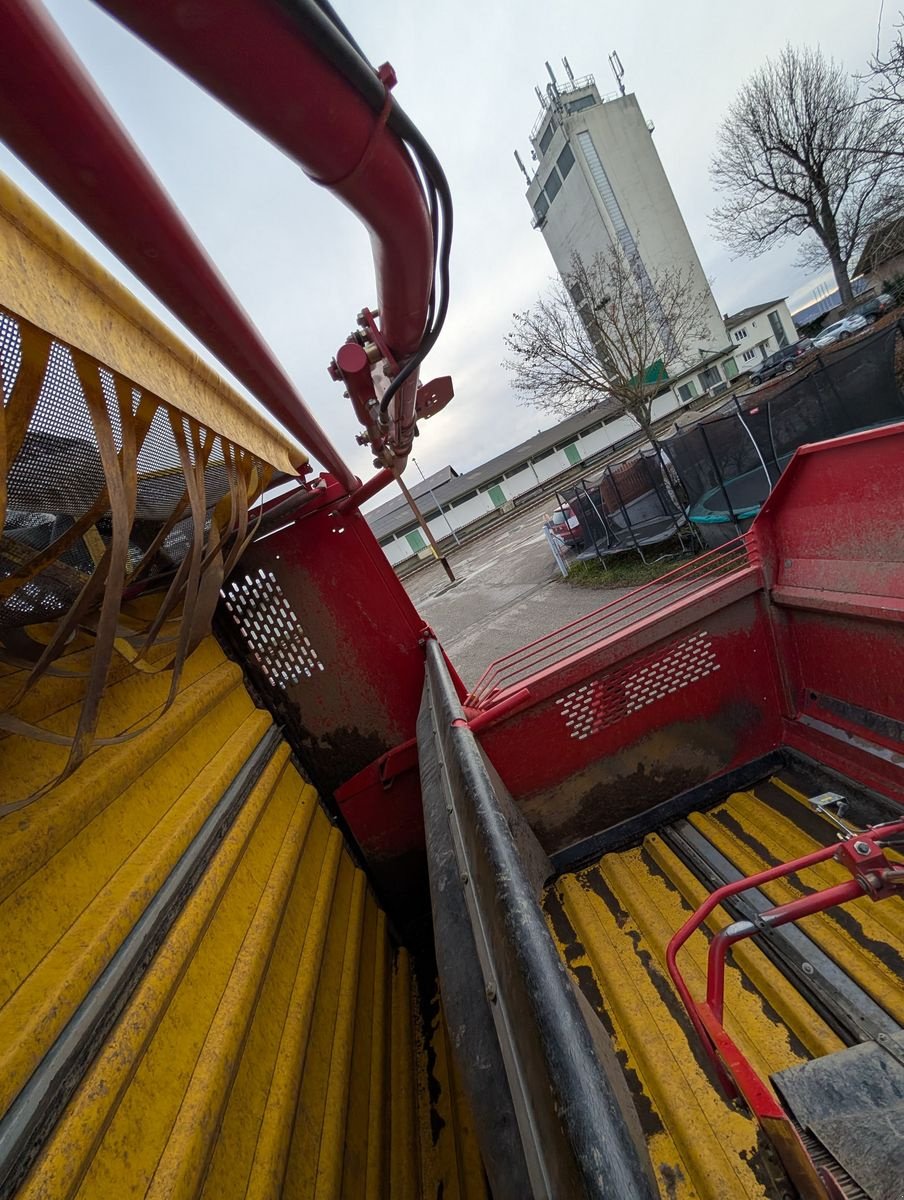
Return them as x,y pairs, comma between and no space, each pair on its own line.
823,805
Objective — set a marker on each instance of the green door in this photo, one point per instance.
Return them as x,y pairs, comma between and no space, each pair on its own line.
497,495
416,541
573,455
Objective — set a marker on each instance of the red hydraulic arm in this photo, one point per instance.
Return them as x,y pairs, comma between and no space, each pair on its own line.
253,56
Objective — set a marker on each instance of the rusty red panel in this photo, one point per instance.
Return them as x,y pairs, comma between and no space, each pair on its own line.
329,631
833,521
606,745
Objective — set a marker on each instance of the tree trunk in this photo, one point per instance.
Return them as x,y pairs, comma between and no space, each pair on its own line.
839,269
643,417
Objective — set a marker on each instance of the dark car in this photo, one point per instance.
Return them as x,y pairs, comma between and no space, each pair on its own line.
875,307
784,360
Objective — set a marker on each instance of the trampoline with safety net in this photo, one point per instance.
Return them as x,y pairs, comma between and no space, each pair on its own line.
729,463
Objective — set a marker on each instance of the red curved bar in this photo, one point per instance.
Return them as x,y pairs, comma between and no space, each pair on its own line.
55,121
251,56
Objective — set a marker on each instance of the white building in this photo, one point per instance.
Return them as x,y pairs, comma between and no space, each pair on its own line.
759,331
599,183
452,501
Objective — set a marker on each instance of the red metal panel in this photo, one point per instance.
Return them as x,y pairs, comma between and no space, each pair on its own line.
57,122
859,662
329,637
249,54
628,734
839,502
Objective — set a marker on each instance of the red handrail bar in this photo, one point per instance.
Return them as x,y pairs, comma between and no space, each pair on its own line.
639,603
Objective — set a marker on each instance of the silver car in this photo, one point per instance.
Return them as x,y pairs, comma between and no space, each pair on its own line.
840,330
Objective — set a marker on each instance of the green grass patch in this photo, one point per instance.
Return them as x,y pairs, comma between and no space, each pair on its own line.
621,571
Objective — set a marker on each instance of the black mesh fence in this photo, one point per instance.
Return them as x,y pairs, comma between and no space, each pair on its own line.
628,506
729,463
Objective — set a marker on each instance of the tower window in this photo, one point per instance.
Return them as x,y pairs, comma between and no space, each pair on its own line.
552,185
565,161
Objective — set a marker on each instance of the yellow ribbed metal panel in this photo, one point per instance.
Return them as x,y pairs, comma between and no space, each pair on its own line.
50,280
270,1047
450,1161
613,922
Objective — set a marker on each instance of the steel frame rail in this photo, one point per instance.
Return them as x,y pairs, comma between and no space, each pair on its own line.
577,1133
685,583
873,875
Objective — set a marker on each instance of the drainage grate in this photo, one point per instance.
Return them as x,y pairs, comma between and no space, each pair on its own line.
601,702
271,628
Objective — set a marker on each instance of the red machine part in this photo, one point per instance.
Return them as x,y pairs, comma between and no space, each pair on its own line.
348,148
57,122
250,55
872,874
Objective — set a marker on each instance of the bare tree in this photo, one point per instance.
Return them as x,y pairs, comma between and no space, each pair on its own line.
608,332
799,154
886,78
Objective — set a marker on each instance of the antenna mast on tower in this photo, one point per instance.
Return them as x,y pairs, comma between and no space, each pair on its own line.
617,70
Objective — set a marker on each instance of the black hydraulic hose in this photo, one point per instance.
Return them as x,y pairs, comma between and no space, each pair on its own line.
325,29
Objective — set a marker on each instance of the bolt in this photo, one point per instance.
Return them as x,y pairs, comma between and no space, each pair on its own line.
464,878
807,968
861,847
448,806
491,993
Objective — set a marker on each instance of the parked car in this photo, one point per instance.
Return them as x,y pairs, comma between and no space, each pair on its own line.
784,360
565,525
840,330
875,307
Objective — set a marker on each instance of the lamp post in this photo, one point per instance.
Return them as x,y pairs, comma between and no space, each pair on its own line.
435,501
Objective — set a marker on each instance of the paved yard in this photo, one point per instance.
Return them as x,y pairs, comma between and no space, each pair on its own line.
508,592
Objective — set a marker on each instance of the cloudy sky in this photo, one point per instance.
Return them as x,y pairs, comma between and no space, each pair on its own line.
300,262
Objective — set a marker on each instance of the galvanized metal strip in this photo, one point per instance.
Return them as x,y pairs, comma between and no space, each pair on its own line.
33,1114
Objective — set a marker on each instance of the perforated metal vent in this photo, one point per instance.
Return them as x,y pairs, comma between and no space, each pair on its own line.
602,702
271,628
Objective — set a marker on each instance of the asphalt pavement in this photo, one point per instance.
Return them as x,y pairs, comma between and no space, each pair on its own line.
508,591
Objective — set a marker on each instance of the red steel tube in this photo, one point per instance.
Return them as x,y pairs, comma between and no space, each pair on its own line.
56,121
369,488
713,901
782,914
251,56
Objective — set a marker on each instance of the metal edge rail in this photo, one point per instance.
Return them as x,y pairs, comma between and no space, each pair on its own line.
684,583
578,1130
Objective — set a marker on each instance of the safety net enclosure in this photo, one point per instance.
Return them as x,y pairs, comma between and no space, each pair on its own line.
729,462
126,465
631,505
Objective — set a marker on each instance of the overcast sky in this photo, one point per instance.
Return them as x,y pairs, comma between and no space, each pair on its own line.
300,262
